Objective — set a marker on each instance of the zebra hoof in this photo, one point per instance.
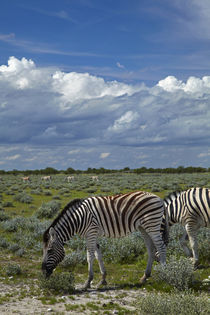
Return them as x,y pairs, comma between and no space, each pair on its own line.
198,266
143,279
86,286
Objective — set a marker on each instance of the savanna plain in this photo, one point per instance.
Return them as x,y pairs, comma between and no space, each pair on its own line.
28,208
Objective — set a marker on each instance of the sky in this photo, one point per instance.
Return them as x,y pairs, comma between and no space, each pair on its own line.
113,84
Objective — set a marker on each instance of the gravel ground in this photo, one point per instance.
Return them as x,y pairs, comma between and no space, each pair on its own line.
79,303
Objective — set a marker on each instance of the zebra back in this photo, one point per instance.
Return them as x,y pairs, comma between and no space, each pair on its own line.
112,216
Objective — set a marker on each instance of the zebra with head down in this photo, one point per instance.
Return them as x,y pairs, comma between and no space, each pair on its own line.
112,216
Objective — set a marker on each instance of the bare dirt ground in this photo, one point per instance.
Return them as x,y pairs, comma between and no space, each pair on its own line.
90,302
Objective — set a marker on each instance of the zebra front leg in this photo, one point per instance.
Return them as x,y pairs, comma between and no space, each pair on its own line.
98,256
151,255
160,247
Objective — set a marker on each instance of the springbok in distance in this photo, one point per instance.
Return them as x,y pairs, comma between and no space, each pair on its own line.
94,178
26,179
69,178
46,178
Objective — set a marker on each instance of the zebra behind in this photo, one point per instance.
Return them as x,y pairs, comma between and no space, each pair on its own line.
111,216
191,208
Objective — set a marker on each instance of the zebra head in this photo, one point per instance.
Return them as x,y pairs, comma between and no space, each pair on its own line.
53,252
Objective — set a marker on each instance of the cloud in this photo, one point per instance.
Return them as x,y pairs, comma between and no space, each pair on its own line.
46,115
104,155
13,157
193,85
119,65
125,122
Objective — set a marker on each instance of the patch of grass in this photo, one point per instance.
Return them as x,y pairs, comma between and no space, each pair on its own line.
184,303
178,273
12,269
58,283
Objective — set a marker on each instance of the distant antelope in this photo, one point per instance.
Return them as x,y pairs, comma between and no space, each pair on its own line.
69,178
46,178
26,179
94,178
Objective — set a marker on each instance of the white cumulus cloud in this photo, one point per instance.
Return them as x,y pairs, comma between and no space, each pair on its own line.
193,84
50,115
104,155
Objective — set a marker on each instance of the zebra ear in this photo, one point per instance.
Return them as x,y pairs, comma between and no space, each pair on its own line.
52,233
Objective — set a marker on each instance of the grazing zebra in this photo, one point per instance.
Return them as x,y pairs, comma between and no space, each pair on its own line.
111,216
191,208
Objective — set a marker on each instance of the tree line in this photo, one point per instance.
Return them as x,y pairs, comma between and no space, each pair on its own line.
141,170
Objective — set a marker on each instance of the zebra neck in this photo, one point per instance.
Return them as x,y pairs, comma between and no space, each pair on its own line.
71,222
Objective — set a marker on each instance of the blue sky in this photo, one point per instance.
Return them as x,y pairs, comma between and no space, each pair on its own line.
87,83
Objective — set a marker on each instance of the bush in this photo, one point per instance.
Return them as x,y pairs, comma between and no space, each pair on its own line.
122,250
3,216
24,198
8,204
204,244
49,209
12,269
176,303
177,272
58,283
4,243
74,258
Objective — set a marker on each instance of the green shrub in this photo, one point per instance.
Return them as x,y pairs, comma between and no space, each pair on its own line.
184,303
47,193
177,272
23,197
8,204
9,225
204,244
49,209
74,258
4,243
36,192
58,283
12,269
122,250
3,216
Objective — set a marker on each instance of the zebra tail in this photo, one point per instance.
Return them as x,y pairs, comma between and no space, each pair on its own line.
165,233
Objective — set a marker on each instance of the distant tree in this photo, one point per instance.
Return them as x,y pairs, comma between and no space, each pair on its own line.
49,170
70,170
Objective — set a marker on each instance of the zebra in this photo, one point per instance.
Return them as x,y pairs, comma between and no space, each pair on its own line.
110,216
191,208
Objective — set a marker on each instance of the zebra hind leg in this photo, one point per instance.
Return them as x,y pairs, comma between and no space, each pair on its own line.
98,256
151,255
192,234
90,259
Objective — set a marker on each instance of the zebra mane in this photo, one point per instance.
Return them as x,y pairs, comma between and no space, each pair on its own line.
74,203
172,196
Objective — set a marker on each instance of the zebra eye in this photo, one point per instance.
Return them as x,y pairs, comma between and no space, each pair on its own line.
50,250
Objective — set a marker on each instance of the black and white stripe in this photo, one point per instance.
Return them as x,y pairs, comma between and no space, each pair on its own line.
191,208
111,216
